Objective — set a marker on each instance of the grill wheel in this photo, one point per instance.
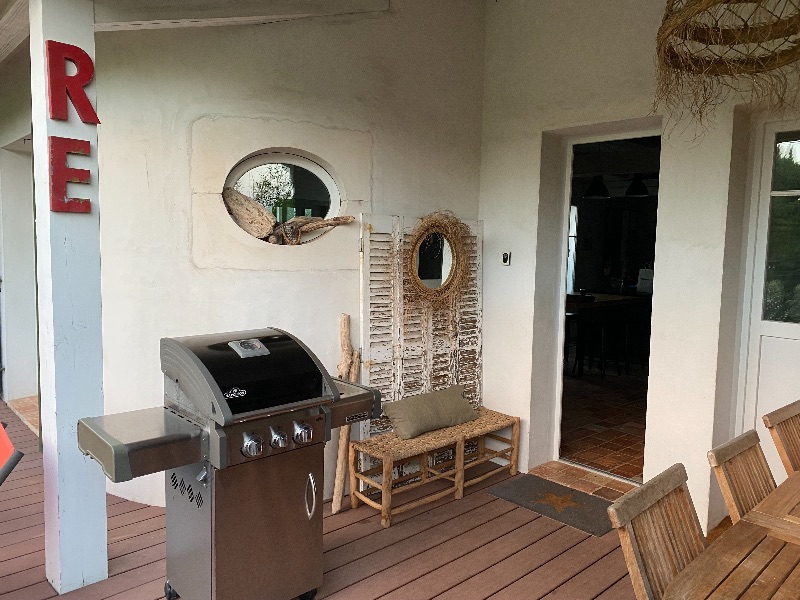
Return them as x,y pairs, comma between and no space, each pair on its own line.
169,593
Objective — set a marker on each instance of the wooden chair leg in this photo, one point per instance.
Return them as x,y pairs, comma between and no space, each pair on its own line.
459,483
512,467
353,480
386,493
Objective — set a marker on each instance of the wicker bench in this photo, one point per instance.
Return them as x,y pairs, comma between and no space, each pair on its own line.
394,452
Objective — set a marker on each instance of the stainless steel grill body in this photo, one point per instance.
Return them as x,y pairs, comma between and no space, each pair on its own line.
240,439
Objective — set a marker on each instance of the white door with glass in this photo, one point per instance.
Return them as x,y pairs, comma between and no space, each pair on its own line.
773,363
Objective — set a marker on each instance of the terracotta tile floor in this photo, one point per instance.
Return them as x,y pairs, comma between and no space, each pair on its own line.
583,480
603,423
27,409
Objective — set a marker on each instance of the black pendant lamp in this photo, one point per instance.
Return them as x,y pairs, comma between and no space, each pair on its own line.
637,188
597,189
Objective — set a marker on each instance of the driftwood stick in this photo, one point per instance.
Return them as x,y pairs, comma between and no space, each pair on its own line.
348,370
347,348
332,222
294,229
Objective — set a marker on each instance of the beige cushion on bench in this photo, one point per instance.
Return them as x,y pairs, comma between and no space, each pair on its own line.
415,415
390,446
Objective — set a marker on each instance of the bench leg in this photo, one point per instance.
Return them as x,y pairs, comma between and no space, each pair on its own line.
459,469
386,492
353,480
512,467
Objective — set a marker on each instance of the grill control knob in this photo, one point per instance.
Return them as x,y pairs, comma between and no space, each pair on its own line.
279,439
303,433
253,445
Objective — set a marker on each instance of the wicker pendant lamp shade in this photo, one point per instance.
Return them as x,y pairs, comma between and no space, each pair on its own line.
707,48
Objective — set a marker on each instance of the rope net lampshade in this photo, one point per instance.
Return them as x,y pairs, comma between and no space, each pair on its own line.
707,48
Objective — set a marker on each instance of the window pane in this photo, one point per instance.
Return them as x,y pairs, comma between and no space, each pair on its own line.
782,281
286,190
786,166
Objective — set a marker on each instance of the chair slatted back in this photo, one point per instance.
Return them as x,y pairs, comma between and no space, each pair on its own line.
658,530
742,473
784,427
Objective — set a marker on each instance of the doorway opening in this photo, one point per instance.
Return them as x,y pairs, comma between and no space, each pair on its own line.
609,286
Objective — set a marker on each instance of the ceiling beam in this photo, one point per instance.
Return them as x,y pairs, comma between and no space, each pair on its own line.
14,27
120,15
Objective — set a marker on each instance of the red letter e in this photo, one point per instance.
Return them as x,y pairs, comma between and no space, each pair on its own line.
61,174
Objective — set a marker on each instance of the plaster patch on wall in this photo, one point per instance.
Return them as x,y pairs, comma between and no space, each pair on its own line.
219,143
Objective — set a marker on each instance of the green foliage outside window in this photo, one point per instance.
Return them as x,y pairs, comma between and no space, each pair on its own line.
271,186
782,280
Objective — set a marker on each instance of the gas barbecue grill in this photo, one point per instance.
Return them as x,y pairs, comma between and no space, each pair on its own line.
240,438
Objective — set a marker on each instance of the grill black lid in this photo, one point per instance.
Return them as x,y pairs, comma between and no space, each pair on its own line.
235,375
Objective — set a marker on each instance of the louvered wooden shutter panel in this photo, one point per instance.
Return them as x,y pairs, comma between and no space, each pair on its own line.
409,347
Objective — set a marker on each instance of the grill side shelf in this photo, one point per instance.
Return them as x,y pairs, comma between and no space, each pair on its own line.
140,442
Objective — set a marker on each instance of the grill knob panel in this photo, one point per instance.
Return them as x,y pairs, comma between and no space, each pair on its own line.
253,445
303,432
279,439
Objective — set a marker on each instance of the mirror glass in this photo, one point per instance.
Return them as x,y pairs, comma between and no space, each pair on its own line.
434,260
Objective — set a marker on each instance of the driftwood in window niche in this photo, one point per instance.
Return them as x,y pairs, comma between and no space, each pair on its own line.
292,231
248,214
259,222
709,48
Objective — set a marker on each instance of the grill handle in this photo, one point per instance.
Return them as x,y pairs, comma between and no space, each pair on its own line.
310,481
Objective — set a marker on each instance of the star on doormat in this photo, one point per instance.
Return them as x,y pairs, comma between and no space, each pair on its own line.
557,502
550,499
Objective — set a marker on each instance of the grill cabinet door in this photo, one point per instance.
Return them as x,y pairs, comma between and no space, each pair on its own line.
267,547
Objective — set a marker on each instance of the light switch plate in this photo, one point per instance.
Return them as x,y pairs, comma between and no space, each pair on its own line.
506,259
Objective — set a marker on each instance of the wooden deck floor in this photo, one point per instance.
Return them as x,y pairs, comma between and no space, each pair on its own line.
479,547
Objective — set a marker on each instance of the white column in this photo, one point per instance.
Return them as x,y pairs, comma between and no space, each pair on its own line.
70,342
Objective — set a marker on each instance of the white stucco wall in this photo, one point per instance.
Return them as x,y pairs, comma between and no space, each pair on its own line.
18,272
554,74
391,102
18,302
15,96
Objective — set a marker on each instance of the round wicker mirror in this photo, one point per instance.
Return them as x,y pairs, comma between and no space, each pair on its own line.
436,260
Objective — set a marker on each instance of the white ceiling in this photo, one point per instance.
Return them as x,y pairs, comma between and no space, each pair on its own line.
120,15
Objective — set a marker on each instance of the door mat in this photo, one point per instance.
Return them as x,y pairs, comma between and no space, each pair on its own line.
571,507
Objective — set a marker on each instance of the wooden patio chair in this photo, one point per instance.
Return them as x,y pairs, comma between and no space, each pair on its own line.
784,427
9,456
658,530
742,473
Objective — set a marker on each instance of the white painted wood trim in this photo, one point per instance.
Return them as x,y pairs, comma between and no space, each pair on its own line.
14,26
122,15
755,327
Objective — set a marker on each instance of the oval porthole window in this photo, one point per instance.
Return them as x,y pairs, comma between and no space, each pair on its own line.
288,186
